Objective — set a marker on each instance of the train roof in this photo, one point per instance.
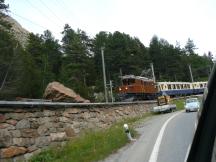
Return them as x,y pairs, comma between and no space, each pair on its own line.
148,79
173,82
181,82
136,77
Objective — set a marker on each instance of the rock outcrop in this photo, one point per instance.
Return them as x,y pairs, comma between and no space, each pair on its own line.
18,31
56,91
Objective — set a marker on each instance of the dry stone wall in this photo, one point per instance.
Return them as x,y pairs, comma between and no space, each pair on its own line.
25,131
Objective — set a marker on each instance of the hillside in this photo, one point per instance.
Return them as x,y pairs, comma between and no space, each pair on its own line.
19,32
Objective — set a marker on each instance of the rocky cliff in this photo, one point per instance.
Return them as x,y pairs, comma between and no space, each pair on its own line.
18,31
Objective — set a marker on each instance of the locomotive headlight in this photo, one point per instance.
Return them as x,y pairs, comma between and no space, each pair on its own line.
126,88
120,89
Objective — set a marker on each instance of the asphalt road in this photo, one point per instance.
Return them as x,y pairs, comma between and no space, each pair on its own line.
164,138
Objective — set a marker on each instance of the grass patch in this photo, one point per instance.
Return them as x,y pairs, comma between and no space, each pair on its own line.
179,103
91,145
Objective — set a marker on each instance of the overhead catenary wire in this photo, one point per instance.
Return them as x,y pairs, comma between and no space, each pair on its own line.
65,7
26,19
42,13
51,11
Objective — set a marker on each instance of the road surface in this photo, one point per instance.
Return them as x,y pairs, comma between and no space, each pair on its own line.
164,138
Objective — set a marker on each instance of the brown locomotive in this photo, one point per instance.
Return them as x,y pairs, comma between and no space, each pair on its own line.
137,87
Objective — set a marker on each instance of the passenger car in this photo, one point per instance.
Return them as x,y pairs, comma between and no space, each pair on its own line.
141,88
191,104
203,148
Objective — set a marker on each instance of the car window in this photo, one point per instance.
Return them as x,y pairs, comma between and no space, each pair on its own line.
191,100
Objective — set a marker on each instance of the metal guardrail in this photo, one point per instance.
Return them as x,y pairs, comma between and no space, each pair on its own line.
44,103
65,104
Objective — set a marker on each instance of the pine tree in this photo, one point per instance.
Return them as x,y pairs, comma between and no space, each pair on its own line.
10,58
190,47
77,61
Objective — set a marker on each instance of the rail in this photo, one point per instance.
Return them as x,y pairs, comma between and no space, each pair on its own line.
32,104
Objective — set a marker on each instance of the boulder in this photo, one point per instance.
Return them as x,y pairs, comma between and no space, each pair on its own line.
56,91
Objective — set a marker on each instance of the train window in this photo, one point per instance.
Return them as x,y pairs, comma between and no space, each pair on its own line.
161,87
177,86
125,82
174,86
169,86
131,81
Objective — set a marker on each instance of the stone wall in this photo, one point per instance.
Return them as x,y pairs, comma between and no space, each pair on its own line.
25,131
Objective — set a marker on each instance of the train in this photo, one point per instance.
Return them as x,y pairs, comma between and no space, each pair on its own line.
142,88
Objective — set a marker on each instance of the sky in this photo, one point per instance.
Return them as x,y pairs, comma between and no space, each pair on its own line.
172,20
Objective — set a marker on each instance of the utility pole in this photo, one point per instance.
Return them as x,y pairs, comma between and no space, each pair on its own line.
104,74
189,66
152,69
111,93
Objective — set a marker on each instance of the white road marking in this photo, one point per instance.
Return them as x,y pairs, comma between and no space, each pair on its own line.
155,151
187,153
196,122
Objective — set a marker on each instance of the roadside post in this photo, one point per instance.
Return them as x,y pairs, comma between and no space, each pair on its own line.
127,131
